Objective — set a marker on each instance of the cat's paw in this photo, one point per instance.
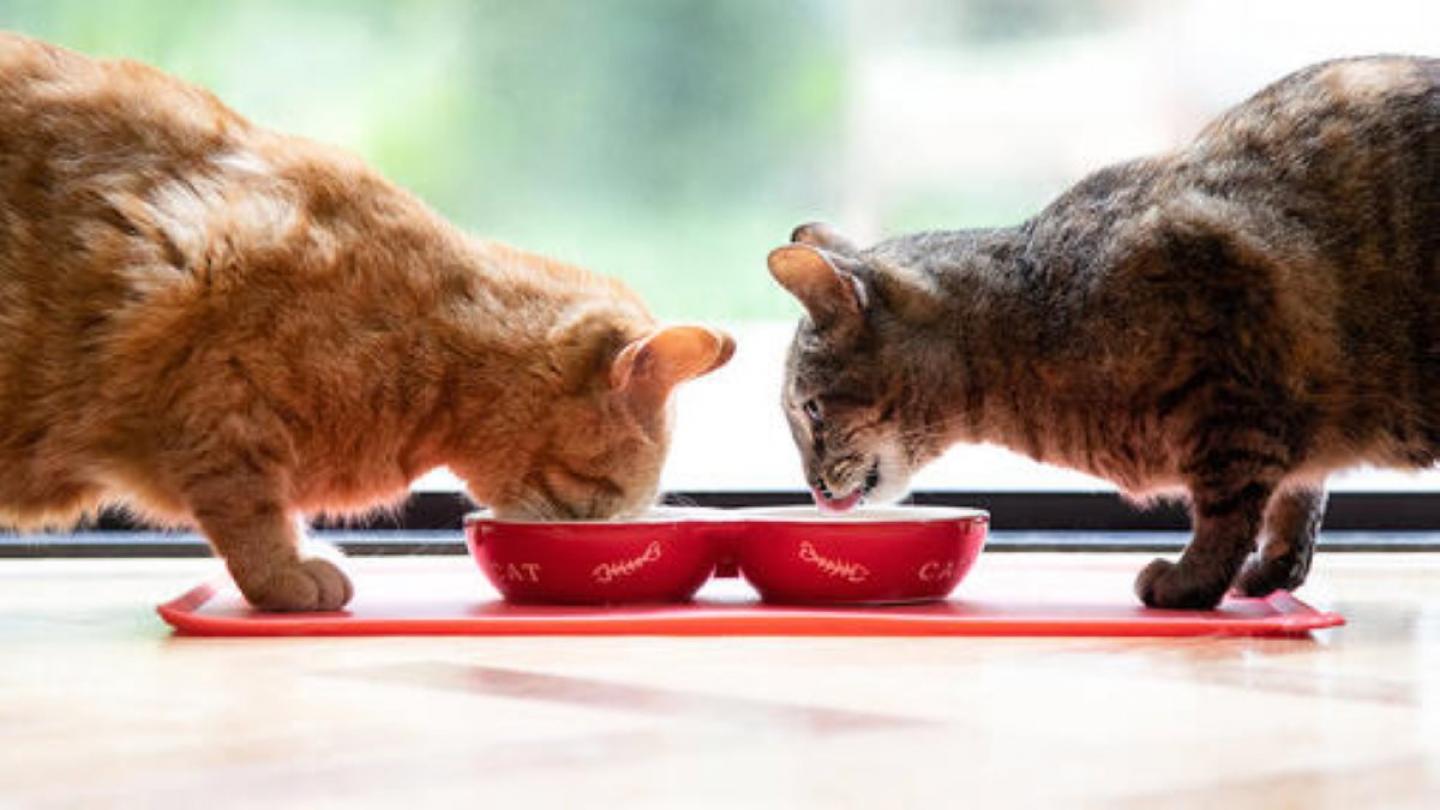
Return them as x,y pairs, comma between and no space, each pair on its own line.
313,584
1163,584
1262,577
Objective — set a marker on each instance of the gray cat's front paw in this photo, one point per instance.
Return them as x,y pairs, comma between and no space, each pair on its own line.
314,584
1262,577
1163,584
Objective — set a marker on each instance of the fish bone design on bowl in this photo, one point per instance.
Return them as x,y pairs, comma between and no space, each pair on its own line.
657,558
895,555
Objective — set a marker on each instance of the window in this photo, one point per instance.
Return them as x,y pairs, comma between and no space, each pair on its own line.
673,144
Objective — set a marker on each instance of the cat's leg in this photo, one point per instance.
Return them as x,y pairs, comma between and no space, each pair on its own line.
1292,521
260,543
1225,529
1231,475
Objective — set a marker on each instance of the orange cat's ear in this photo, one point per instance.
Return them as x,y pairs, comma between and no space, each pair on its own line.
823,236
832,296
653,365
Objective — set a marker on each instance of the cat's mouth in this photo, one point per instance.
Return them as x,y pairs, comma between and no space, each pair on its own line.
828,502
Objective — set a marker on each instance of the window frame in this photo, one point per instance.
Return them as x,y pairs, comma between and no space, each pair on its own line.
429,524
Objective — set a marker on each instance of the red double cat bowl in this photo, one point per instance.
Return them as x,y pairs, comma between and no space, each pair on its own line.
659,558
869,556
791,555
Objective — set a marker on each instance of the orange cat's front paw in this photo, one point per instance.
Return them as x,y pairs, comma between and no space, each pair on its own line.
314,584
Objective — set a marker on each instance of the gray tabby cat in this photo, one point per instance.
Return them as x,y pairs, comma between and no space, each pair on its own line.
1232,321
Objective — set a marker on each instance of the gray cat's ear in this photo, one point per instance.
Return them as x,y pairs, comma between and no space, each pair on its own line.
649,368
833,297
821,235
907,293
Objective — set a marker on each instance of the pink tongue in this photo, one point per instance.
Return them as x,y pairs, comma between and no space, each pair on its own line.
831,505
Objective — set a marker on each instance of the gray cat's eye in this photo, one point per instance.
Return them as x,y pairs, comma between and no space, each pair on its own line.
812,411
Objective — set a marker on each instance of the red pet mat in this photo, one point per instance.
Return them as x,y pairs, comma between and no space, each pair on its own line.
449,597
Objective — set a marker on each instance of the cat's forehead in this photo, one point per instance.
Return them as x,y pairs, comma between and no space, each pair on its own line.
815,362
810,345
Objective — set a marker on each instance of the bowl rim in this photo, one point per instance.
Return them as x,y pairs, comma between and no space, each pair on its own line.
769,515
861,516
655,516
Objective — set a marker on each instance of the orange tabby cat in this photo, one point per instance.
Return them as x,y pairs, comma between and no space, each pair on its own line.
222,326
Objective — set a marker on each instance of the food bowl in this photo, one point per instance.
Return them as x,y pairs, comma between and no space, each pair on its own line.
655,558
799,555
793,555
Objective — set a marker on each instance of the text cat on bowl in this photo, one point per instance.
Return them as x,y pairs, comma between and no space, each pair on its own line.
218,325
1233,320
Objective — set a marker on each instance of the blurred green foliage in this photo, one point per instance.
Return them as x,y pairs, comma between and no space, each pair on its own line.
669,142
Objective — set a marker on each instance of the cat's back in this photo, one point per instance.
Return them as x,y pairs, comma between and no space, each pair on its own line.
129,201
1324,184
1328,104
88,148
62,105
26,65
1344,154
1297,238
1320,193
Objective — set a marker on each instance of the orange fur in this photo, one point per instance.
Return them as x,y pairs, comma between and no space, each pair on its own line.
222,326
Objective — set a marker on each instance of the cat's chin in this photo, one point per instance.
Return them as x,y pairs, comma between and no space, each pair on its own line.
892,482
888,496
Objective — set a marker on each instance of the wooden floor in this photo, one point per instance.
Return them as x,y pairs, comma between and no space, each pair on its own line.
100,707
